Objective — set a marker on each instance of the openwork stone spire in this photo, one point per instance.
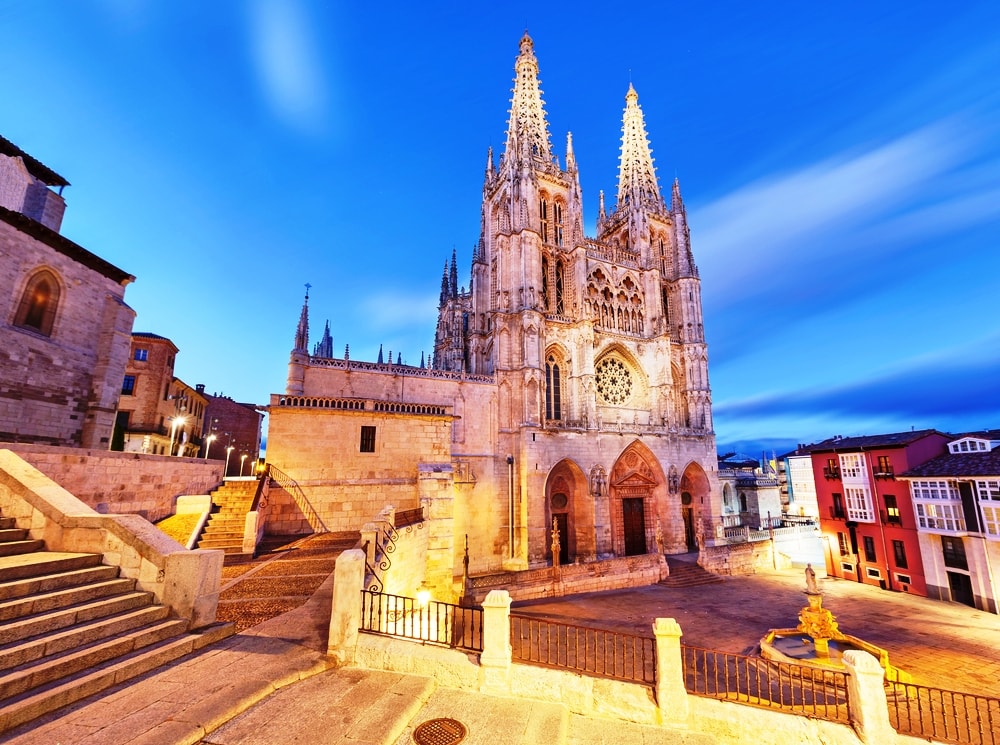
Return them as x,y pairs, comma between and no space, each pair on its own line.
527,130
302,332
636,175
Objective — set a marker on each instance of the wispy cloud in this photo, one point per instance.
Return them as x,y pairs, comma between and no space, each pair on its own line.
288,64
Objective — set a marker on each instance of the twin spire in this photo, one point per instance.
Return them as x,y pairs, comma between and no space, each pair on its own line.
527,130
528,135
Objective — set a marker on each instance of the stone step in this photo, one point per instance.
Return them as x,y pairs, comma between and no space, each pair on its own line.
225,547
52,696
687,574
13,548
32,626
12,534
21,566
46,583
41,602
7,522
49,658
80,659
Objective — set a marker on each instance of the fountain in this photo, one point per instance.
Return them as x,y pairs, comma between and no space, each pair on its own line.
818,641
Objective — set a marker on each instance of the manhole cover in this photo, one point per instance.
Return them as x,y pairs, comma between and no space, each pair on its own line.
439,732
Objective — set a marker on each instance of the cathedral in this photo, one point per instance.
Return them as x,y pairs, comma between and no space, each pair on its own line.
568,388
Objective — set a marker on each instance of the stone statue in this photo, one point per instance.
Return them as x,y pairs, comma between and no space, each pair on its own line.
555,542
811,587
659,537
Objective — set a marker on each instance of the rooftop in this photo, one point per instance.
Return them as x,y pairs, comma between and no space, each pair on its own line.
35,167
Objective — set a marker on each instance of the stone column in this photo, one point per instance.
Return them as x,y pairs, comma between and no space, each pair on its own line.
494,662
866,702
345,616
369,540
671,696
435,483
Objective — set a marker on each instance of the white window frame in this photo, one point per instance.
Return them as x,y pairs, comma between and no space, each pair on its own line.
858,503
852,467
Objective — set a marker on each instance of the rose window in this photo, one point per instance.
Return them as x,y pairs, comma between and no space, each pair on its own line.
614,382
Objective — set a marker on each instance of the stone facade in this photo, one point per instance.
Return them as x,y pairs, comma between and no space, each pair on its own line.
64,332
230,424
572,374
158,413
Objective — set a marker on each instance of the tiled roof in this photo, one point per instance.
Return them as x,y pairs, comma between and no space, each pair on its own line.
959,464
35,167
866,442
149,335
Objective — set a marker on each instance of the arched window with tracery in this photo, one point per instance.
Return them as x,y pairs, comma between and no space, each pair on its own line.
37,309
545,283
543,218
557,215
559,288
553,389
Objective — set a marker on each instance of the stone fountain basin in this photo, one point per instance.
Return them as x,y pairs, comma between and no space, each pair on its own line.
796,647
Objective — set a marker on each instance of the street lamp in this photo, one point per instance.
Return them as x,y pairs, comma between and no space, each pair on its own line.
229,451
208,443
178,421
243,460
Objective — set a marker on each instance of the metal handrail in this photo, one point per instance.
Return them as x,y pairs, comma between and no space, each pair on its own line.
289,484
946,716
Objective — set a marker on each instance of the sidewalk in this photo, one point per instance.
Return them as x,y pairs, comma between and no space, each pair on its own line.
272,683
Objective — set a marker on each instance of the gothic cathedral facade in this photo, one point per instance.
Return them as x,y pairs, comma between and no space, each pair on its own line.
569,384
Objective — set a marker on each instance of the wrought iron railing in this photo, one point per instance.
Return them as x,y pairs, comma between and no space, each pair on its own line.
430,623
291,486
754,680
599,652
409,517
947,716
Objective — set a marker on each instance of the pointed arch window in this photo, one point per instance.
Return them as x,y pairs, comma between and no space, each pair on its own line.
559,288
545,283
553,389
543,217
37,309
557,219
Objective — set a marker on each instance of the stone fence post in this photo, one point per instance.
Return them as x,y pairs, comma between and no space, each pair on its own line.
345,616
866,701
671,695
495,660
369,540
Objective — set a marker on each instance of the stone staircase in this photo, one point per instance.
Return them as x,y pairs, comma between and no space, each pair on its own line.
687,574
71,627
224,529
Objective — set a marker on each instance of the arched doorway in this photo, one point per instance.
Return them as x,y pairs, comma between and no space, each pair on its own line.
694,489
635,480
565,506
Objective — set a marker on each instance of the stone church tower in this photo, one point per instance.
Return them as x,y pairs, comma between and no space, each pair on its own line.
568,386
584,335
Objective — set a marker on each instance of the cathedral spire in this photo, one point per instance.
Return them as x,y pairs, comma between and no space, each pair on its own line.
302,332
636,175
324,347
444,284
490,169
453,275
570,156
527,130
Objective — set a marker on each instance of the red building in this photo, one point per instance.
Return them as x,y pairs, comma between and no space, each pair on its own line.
866,515
232,433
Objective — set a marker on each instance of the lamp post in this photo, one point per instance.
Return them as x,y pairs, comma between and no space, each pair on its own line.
208,443
229,451
177,421
243,460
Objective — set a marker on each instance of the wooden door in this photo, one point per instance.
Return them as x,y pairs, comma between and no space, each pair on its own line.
562,522
634,523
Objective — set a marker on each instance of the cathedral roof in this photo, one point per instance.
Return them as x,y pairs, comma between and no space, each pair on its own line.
35,167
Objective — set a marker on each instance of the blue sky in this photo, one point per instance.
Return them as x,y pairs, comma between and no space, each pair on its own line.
840,164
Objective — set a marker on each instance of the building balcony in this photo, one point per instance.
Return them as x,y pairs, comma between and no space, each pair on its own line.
885,473
831,473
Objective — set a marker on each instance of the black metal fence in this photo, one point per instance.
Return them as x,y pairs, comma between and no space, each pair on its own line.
432,622
754,680
943,715
600,652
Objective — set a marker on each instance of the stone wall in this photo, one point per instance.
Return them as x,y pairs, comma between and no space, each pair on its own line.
740,558
123,483
609,574
60,387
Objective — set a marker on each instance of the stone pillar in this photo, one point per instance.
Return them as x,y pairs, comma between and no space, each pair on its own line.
866,702
435,482
494,662
369,541
671,696
191,584
345,616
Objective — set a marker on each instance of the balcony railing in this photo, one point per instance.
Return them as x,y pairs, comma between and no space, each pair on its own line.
831,472
885,472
